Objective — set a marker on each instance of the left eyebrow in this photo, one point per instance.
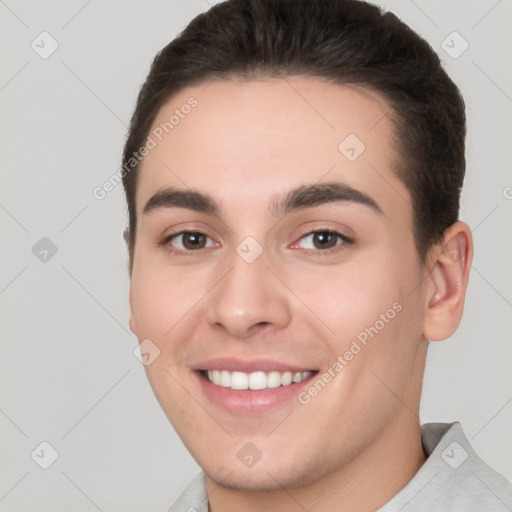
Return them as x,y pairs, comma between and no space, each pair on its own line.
308,196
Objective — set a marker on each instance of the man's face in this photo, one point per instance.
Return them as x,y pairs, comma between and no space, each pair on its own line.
328,282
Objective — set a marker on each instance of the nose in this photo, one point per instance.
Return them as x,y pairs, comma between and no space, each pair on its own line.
248,299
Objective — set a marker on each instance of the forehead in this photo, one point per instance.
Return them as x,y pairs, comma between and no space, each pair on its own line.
246,140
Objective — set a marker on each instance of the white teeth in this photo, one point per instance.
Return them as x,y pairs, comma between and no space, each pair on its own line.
255,380
273,379
286,378
239,380
225,379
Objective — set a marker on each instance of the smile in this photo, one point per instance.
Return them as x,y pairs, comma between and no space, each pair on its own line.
255,381
251,387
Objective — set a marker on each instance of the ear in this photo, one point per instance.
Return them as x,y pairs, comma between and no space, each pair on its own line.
132,322
450,263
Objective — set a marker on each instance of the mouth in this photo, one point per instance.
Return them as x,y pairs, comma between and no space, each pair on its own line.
251,393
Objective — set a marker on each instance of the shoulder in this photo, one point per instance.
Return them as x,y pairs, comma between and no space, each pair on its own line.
453,477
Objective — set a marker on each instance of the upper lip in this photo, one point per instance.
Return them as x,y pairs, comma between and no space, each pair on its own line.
233,364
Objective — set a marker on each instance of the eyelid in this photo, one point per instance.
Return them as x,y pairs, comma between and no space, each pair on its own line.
184,227
170,236
328,225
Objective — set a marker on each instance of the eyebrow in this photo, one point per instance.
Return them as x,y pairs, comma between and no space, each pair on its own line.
307,196
304,196
177,198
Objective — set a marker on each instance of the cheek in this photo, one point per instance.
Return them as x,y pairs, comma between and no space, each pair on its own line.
371,319
347,299
163,300
375,323
162,296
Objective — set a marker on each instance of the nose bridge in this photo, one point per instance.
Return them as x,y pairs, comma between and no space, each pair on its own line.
248,295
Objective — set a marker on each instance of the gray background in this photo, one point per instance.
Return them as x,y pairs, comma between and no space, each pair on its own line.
68,373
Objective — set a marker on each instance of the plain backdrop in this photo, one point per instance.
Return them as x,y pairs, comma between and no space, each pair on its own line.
69,376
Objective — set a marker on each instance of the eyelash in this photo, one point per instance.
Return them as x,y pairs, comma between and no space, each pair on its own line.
345,240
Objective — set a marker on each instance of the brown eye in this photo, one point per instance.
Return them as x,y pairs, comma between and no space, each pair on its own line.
194,240
189,241
323,240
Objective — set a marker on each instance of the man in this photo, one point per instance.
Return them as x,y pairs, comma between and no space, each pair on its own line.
292,173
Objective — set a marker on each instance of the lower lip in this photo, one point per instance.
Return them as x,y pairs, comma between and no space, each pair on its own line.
250,402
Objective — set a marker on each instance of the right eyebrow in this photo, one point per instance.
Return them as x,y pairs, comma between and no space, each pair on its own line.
174,198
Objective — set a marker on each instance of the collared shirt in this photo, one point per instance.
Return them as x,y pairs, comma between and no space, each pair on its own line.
453,478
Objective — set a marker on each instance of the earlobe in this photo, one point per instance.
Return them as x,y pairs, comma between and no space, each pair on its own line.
447,282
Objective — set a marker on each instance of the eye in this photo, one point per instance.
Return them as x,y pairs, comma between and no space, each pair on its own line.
323,240
187,241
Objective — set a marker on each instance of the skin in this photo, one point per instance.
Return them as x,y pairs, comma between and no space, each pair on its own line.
357,442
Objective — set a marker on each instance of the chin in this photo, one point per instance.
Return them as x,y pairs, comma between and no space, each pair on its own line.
252,480
262,477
